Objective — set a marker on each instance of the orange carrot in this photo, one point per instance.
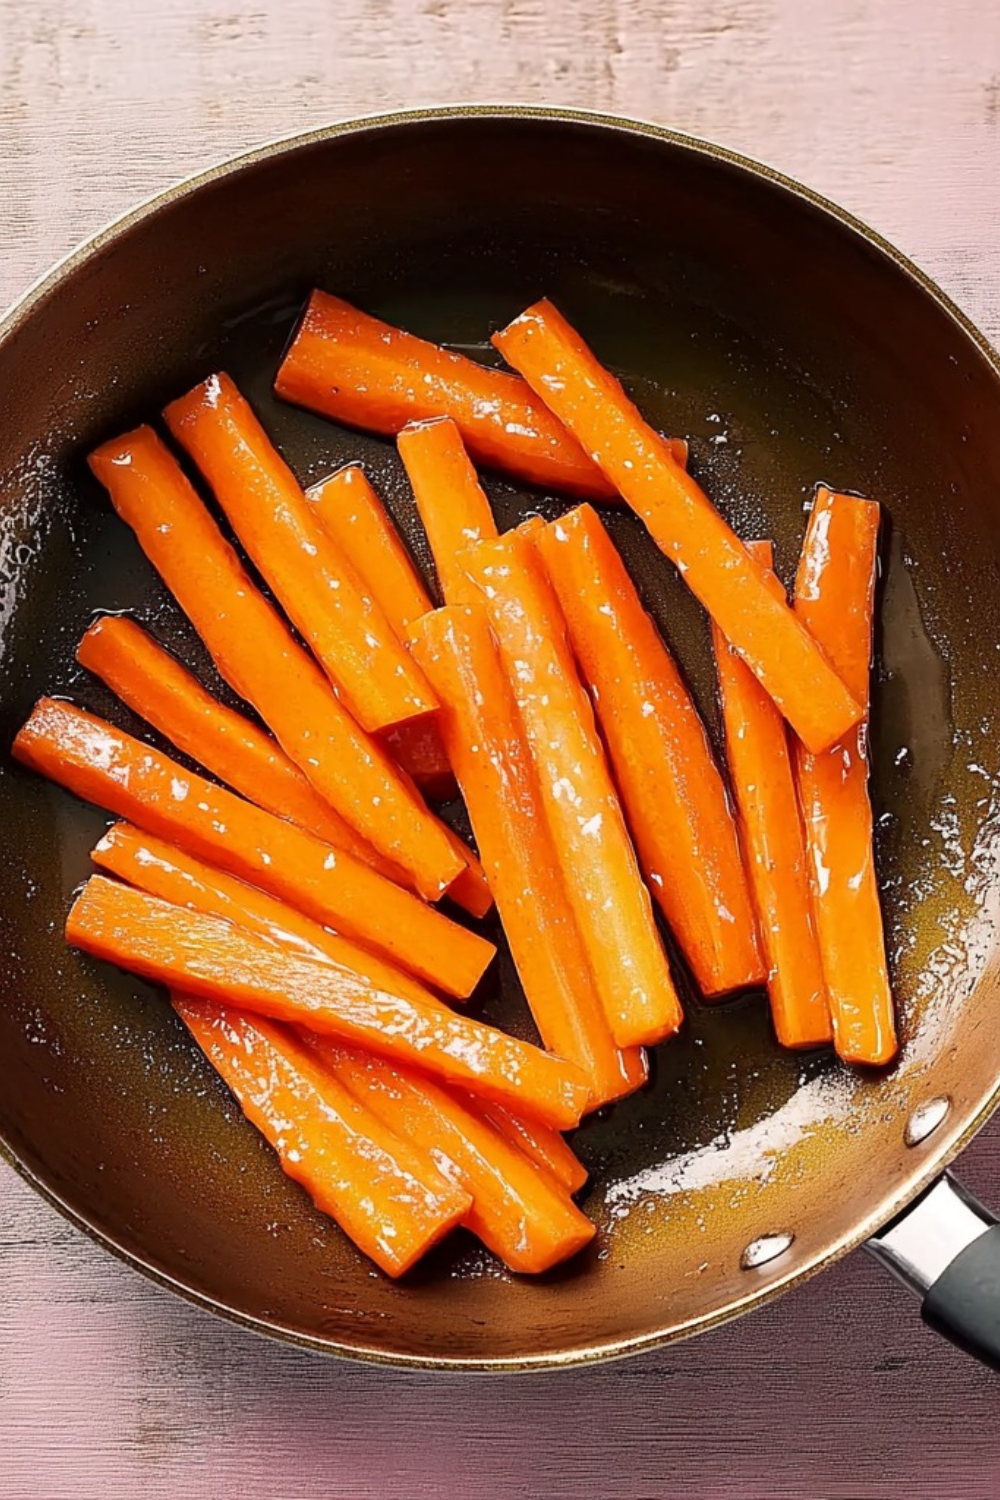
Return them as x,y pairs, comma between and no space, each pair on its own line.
354,518
106,766
213,958
352,513
418,752
156,687
834,596
760,766
449,497
545,1147
470,890
518,1212
389,1197
259,658
683,522
596,859
358,370
674,797
487,746
311,578
169,872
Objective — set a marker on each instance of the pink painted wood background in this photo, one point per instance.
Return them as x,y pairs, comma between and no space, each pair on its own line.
109,1389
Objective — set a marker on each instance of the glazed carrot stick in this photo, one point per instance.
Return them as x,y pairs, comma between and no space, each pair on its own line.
211,957
685,525
169,872
356,369
156,687
259,658
518,1212
386,1195
488,748
595,857
449,497
308,573
760,768
357,522
545,1147
834,594
361,371
106,766
352,514
674,797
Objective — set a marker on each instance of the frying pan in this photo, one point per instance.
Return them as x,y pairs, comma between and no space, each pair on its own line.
792,345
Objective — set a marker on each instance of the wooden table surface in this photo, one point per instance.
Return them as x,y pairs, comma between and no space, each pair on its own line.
109,1388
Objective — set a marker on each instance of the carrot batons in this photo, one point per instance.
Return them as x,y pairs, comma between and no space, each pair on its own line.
450,500
390,1198
211,957
355,519
169,872
487,746
156,687
559,366
106,766
529,1225
518,1212
352,514
543,1145
596,859
834,594
356,369
666,774
760,766
257,655
311,578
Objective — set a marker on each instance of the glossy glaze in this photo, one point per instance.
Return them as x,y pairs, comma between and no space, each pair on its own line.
686,527
546,1147
348,509
120,773
500,786
363,372
518,1212
596,859
835,596
315,584
453,509
259,657
763,782
195,953
165,870
674,797
230,746
354,518
386,1195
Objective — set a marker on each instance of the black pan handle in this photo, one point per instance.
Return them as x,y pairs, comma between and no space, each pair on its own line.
946,1248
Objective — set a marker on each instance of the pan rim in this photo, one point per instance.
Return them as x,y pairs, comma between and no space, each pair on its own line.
927,1166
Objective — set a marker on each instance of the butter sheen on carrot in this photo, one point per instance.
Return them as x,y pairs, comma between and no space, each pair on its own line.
543,347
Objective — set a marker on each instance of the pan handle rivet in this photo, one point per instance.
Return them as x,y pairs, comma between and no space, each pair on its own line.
925,1119
767,1248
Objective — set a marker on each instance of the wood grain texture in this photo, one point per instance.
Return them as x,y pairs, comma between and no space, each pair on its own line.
108,1387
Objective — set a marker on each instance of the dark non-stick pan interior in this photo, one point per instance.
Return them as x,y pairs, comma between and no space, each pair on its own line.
790,349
